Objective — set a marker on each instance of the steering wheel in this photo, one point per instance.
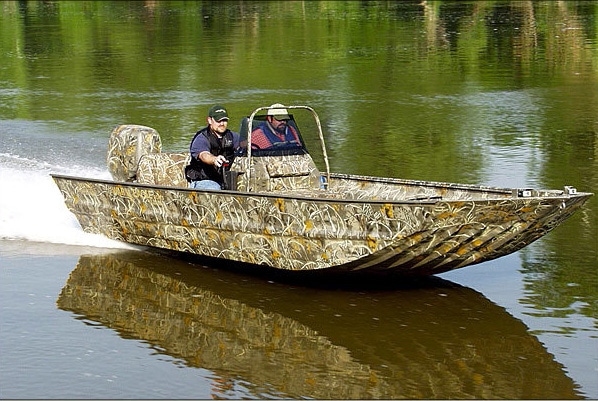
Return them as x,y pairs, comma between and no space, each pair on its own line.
285,144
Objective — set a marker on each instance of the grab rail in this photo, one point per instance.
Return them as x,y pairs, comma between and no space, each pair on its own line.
320,134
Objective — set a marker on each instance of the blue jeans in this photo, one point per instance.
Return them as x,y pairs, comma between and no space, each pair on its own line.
204,184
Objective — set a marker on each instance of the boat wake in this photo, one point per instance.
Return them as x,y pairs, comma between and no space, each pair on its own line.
32,208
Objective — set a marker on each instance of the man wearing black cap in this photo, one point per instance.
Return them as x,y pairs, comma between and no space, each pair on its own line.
212,148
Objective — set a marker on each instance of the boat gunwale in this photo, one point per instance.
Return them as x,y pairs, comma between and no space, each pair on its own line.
558,194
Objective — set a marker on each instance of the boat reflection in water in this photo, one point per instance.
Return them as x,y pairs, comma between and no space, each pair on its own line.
438,340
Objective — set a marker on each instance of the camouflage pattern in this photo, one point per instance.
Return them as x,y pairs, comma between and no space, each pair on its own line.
284,218
259,334
163,169
268,173
275,173
329,229
127,144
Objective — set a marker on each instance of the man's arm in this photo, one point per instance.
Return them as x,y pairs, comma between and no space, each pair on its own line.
209,158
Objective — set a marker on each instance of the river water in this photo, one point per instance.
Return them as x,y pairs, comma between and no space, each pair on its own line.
499,93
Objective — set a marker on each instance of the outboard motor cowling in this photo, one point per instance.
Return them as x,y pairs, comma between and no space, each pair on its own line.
127,144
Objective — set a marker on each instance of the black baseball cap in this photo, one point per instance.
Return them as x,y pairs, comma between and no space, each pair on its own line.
218,112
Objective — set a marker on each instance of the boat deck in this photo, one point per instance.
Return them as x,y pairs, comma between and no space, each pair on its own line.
298,176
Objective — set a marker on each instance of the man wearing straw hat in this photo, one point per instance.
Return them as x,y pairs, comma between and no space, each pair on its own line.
275,130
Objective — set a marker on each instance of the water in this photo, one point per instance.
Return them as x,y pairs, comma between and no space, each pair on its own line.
497,93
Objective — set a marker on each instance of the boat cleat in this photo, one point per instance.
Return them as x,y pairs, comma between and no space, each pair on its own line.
569,190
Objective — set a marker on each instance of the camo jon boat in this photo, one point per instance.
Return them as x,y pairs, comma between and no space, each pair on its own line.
281,211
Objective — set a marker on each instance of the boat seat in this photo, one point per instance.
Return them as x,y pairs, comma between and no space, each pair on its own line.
163,169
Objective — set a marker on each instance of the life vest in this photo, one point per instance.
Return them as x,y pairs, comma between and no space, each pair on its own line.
198,170
289,134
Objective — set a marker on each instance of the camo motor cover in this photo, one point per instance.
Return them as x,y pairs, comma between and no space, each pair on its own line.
127,144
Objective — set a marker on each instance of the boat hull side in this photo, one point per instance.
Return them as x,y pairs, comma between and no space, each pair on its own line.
308,234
